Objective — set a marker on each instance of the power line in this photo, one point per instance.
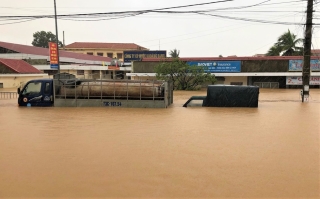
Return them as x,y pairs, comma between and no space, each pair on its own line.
122,12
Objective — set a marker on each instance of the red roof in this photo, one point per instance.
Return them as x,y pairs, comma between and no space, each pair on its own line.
125,46
315,51
45,52
228,58
19,66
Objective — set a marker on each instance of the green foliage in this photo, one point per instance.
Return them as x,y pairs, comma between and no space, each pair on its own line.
41,39
174,53
183,76
287,45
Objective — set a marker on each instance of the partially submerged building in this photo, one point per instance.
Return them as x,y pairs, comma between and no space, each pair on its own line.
14,73
81,65
265,72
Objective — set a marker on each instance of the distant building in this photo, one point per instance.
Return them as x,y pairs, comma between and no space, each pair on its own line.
17,61
111,50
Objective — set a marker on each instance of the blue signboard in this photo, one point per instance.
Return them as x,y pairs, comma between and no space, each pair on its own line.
54,66
218,66
138,55
297,65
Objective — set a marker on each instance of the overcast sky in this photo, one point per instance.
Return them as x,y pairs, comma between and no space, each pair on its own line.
195,35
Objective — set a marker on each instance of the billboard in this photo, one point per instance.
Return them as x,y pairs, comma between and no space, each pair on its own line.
218,66
298,80
129,56
297,65
53,55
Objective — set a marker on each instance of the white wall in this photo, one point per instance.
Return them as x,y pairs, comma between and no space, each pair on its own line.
17,80
228,80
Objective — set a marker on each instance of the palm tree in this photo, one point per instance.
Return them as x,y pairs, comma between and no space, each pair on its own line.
274,51
174,53
287,45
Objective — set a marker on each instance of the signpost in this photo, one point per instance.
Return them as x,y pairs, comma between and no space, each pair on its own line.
53,52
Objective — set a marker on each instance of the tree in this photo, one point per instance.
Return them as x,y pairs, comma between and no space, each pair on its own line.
183,76
274,51
41,39
174,53
287,45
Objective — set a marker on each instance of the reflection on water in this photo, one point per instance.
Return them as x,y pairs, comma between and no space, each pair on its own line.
271,151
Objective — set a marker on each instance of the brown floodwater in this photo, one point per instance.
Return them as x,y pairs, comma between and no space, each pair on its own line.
267,152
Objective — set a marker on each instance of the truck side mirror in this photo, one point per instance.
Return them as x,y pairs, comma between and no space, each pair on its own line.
18,90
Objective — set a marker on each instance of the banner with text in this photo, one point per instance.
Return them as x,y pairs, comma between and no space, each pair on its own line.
138,55
218,66
298,80
297,65
53,55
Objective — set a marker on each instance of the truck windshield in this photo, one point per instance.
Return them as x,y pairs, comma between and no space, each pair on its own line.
32,88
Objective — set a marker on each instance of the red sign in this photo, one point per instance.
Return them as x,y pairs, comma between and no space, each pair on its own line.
53,55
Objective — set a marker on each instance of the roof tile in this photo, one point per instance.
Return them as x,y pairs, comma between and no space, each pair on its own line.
126,46
45,52
19,66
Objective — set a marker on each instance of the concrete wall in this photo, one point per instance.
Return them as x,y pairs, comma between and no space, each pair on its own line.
18,80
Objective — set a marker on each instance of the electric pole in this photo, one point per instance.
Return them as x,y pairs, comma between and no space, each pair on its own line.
57,40
307,53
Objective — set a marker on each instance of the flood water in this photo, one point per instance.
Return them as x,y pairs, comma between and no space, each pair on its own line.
267,152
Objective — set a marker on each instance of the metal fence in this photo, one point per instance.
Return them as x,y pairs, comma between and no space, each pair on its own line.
8,95
267,84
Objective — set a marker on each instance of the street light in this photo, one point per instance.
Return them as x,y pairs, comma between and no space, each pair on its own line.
57,40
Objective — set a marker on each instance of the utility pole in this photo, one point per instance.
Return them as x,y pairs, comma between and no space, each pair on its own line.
63,42
57,40
307,53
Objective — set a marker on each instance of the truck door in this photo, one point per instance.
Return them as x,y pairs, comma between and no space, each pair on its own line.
47,99
36,93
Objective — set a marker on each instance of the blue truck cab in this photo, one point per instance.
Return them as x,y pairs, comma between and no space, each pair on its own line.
36,93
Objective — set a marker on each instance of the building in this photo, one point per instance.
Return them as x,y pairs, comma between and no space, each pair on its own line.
14,73
111,50
81,65
265,72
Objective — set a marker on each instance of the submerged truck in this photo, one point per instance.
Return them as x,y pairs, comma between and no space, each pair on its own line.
64,90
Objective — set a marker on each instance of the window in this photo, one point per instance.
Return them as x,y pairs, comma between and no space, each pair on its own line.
47,89
221,79
32,88
1,85
236,83
100,54
119,55
80,72
89,53
110,55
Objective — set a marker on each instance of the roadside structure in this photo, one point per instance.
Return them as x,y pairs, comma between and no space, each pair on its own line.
265,72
